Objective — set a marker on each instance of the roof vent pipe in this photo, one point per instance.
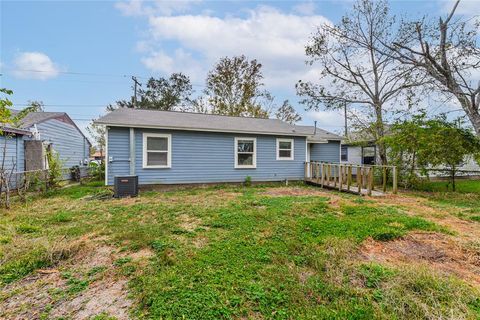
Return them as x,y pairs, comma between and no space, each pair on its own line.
315,130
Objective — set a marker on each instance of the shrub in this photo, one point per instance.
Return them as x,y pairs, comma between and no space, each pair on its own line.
97,171
54,169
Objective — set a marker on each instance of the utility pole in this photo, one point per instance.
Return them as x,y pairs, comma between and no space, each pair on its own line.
346,122
135,83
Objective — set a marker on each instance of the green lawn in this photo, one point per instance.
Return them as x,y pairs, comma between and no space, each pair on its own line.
462,186
225,252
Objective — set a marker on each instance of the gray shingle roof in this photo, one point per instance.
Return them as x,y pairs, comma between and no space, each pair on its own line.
128,117
320,134
36,117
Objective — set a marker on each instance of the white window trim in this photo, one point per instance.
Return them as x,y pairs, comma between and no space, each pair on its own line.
169,151
292,149
254,165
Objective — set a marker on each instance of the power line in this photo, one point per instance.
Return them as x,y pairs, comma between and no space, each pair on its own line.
66,105
75,73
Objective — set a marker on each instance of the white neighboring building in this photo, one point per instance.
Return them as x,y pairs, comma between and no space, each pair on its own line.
356,154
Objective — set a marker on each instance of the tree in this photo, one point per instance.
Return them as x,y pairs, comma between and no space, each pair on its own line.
287,113
448,53
354,72
5,105
425,143
166,94
98,133
407,144
234,87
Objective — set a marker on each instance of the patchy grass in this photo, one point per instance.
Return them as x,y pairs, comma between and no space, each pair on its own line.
222,252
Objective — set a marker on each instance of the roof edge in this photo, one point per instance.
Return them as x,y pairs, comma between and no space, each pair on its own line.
297,134
15,130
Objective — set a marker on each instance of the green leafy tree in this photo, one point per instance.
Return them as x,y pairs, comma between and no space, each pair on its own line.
424,143
5,105
168,94
287,113
234,87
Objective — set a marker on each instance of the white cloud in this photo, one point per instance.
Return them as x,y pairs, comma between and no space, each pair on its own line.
147,8
34,65
274,38
305,8
159,61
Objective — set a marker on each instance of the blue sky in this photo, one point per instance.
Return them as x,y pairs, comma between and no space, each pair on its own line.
86,51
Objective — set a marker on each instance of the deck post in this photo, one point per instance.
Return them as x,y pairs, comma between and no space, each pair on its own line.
328,174
340,177
370,181
305,170
317,171
359,179
349,177
334,175
323,174
394,180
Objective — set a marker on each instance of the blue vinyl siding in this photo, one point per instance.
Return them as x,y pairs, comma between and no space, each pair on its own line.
325,152
70,144
14,156
203,157
15,153
118,150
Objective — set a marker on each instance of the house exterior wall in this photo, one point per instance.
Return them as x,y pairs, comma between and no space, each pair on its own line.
202,157
71,145
14,155
354,155
325,152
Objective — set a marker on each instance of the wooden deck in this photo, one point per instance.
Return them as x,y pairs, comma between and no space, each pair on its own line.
344,188
358,179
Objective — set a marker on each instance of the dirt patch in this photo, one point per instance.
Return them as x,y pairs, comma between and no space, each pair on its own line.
104,296
49,292
438,251
467,230
295,191
189,223
200,242
304,275
212,198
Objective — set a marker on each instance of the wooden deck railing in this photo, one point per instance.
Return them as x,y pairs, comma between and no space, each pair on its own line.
361,179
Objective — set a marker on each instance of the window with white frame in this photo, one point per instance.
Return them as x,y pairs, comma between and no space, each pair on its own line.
344,153
157,150
285,149
245,153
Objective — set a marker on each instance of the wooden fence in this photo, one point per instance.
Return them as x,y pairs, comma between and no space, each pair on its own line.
360,179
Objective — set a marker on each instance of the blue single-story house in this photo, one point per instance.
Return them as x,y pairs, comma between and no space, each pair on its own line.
168,147
26,143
